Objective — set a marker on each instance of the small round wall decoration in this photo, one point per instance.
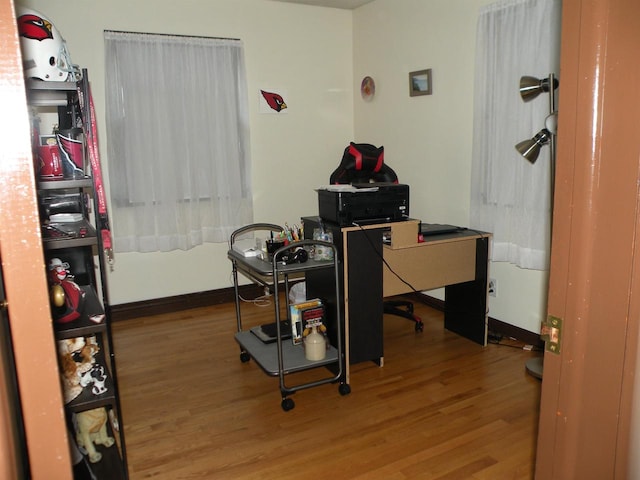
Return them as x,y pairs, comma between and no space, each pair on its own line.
367,88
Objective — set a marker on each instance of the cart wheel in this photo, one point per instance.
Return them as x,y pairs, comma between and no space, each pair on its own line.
419,326
244,357
287,404
344,389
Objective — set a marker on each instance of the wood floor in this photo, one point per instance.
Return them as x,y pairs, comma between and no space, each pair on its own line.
441,408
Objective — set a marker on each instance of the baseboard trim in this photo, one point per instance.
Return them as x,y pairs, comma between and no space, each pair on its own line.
495,326
177,303
156,306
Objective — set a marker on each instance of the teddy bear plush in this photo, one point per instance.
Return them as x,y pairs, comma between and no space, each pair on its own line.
91,430
87,355
69,368
70,379
77,358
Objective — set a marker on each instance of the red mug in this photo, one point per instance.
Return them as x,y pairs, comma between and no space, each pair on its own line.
50,166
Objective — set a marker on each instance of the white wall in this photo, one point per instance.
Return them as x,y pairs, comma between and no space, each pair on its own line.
305,51
319,56
428,139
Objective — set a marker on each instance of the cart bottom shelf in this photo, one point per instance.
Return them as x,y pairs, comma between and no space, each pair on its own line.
266,355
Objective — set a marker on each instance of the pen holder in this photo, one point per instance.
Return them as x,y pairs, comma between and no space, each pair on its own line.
273,244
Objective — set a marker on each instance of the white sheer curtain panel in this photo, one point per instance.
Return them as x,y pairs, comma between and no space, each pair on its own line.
177,140
510,197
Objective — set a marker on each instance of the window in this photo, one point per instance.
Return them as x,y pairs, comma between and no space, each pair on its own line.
177,140
509,196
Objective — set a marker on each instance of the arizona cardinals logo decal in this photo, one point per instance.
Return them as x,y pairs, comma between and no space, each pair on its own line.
34,27
275,101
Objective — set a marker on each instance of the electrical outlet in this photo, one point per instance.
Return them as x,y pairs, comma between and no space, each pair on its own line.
493,287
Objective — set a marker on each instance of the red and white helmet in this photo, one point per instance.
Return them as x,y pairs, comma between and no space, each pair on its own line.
44,51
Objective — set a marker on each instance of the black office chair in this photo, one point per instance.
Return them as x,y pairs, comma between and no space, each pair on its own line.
364,163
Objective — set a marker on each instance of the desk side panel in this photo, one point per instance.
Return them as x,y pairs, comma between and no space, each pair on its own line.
361,284
466,303
365,302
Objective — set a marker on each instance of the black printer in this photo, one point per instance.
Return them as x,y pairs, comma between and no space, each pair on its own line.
364,203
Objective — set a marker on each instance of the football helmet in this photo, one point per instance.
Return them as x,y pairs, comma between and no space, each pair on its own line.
44,51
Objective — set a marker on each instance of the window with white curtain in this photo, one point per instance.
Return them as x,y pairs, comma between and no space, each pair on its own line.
177,140
510,197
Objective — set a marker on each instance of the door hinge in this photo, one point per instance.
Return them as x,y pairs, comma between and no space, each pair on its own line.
551,334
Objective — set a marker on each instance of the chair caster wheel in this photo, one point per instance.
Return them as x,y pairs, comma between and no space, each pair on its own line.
344,389
419,326
244,357
287,404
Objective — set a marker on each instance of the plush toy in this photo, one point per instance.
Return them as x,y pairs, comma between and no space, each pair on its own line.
67,298
77,361
91,428
88,354
70,380
69,368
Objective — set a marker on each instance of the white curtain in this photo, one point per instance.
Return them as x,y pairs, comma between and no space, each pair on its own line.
510,197
178,140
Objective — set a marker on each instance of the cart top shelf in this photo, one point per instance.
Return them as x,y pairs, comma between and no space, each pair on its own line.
265,267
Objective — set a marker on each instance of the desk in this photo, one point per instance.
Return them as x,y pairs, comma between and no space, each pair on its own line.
456,261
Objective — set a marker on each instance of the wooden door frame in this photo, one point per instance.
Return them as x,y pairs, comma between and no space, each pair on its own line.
586,405
23,271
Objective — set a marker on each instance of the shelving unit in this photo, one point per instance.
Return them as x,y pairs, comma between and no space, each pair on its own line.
79,245
281,357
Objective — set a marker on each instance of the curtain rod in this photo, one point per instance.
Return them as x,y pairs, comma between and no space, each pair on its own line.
173,35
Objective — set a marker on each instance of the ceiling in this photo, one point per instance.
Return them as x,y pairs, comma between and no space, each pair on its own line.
346,4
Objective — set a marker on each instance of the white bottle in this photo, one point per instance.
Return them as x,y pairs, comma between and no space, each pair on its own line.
315,346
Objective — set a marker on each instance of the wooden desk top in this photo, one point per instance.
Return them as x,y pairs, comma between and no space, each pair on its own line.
405,234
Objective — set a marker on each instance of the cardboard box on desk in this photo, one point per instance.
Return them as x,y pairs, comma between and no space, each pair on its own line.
405,234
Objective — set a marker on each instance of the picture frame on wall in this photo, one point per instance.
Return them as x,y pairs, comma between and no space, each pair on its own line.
420,83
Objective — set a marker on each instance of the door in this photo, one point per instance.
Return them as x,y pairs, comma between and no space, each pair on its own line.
14,460
25,285
586,405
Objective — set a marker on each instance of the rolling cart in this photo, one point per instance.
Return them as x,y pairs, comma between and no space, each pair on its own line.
281,357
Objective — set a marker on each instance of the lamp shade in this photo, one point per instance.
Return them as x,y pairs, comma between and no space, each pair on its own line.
531,87
530,149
